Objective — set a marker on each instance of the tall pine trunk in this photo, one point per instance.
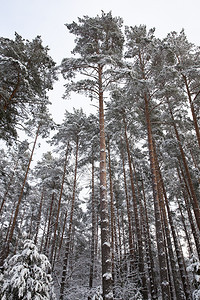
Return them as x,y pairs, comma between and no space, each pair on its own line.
158,222
105,231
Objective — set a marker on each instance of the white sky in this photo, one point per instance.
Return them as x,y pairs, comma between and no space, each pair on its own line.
30,18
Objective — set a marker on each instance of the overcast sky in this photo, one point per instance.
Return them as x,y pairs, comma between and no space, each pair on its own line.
30,18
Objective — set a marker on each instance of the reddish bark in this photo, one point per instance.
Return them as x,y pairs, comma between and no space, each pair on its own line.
22,189
59,202
105,231
69,233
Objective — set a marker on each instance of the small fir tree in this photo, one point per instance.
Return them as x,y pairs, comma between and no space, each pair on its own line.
27,275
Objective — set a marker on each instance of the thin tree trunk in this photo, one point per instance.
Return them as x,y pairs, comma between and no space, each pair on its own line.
159,235
123,234
150,261
38,218
92,254
59,203
190,217
137,221
30,228
164,203
130,230
195,204
112,219
119,232
49,219
22,190
168,262
192,109
143,273
10,222
67,249
176,278
56,246
63,231
188,238
8,188
44,230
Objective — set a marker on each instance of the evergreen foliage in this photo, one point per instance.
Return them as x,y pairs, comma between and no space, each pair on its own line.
27,275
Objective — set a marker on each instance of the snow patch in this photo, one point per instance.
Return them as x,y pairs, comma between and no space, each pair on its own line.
107,276
165,283
109,295
102,187
106,244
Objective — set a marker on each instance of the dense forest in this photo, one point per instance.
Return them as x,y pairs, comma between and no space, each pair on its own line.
111,211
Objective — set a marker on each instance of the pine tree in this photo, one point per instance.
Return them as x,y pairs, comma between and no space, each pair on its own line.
99,44
142,47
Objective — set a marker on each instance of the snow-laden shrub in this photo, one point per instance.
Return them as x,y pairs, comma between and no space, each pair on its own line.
194,268
27,275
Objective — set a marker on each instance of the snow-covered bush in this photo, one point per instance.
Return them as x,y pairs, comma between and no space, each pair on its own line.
194,268
27,275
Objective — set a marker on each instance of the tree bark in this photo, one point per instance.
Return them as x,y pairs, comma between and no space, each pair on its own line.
93,239
49,219
159,234
194,228
63,231
195,204
165,205
192,108
137,221
188,238
59,203
22,189
130,230
8,187
149,251
38,218
105,231
67,249
111,217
